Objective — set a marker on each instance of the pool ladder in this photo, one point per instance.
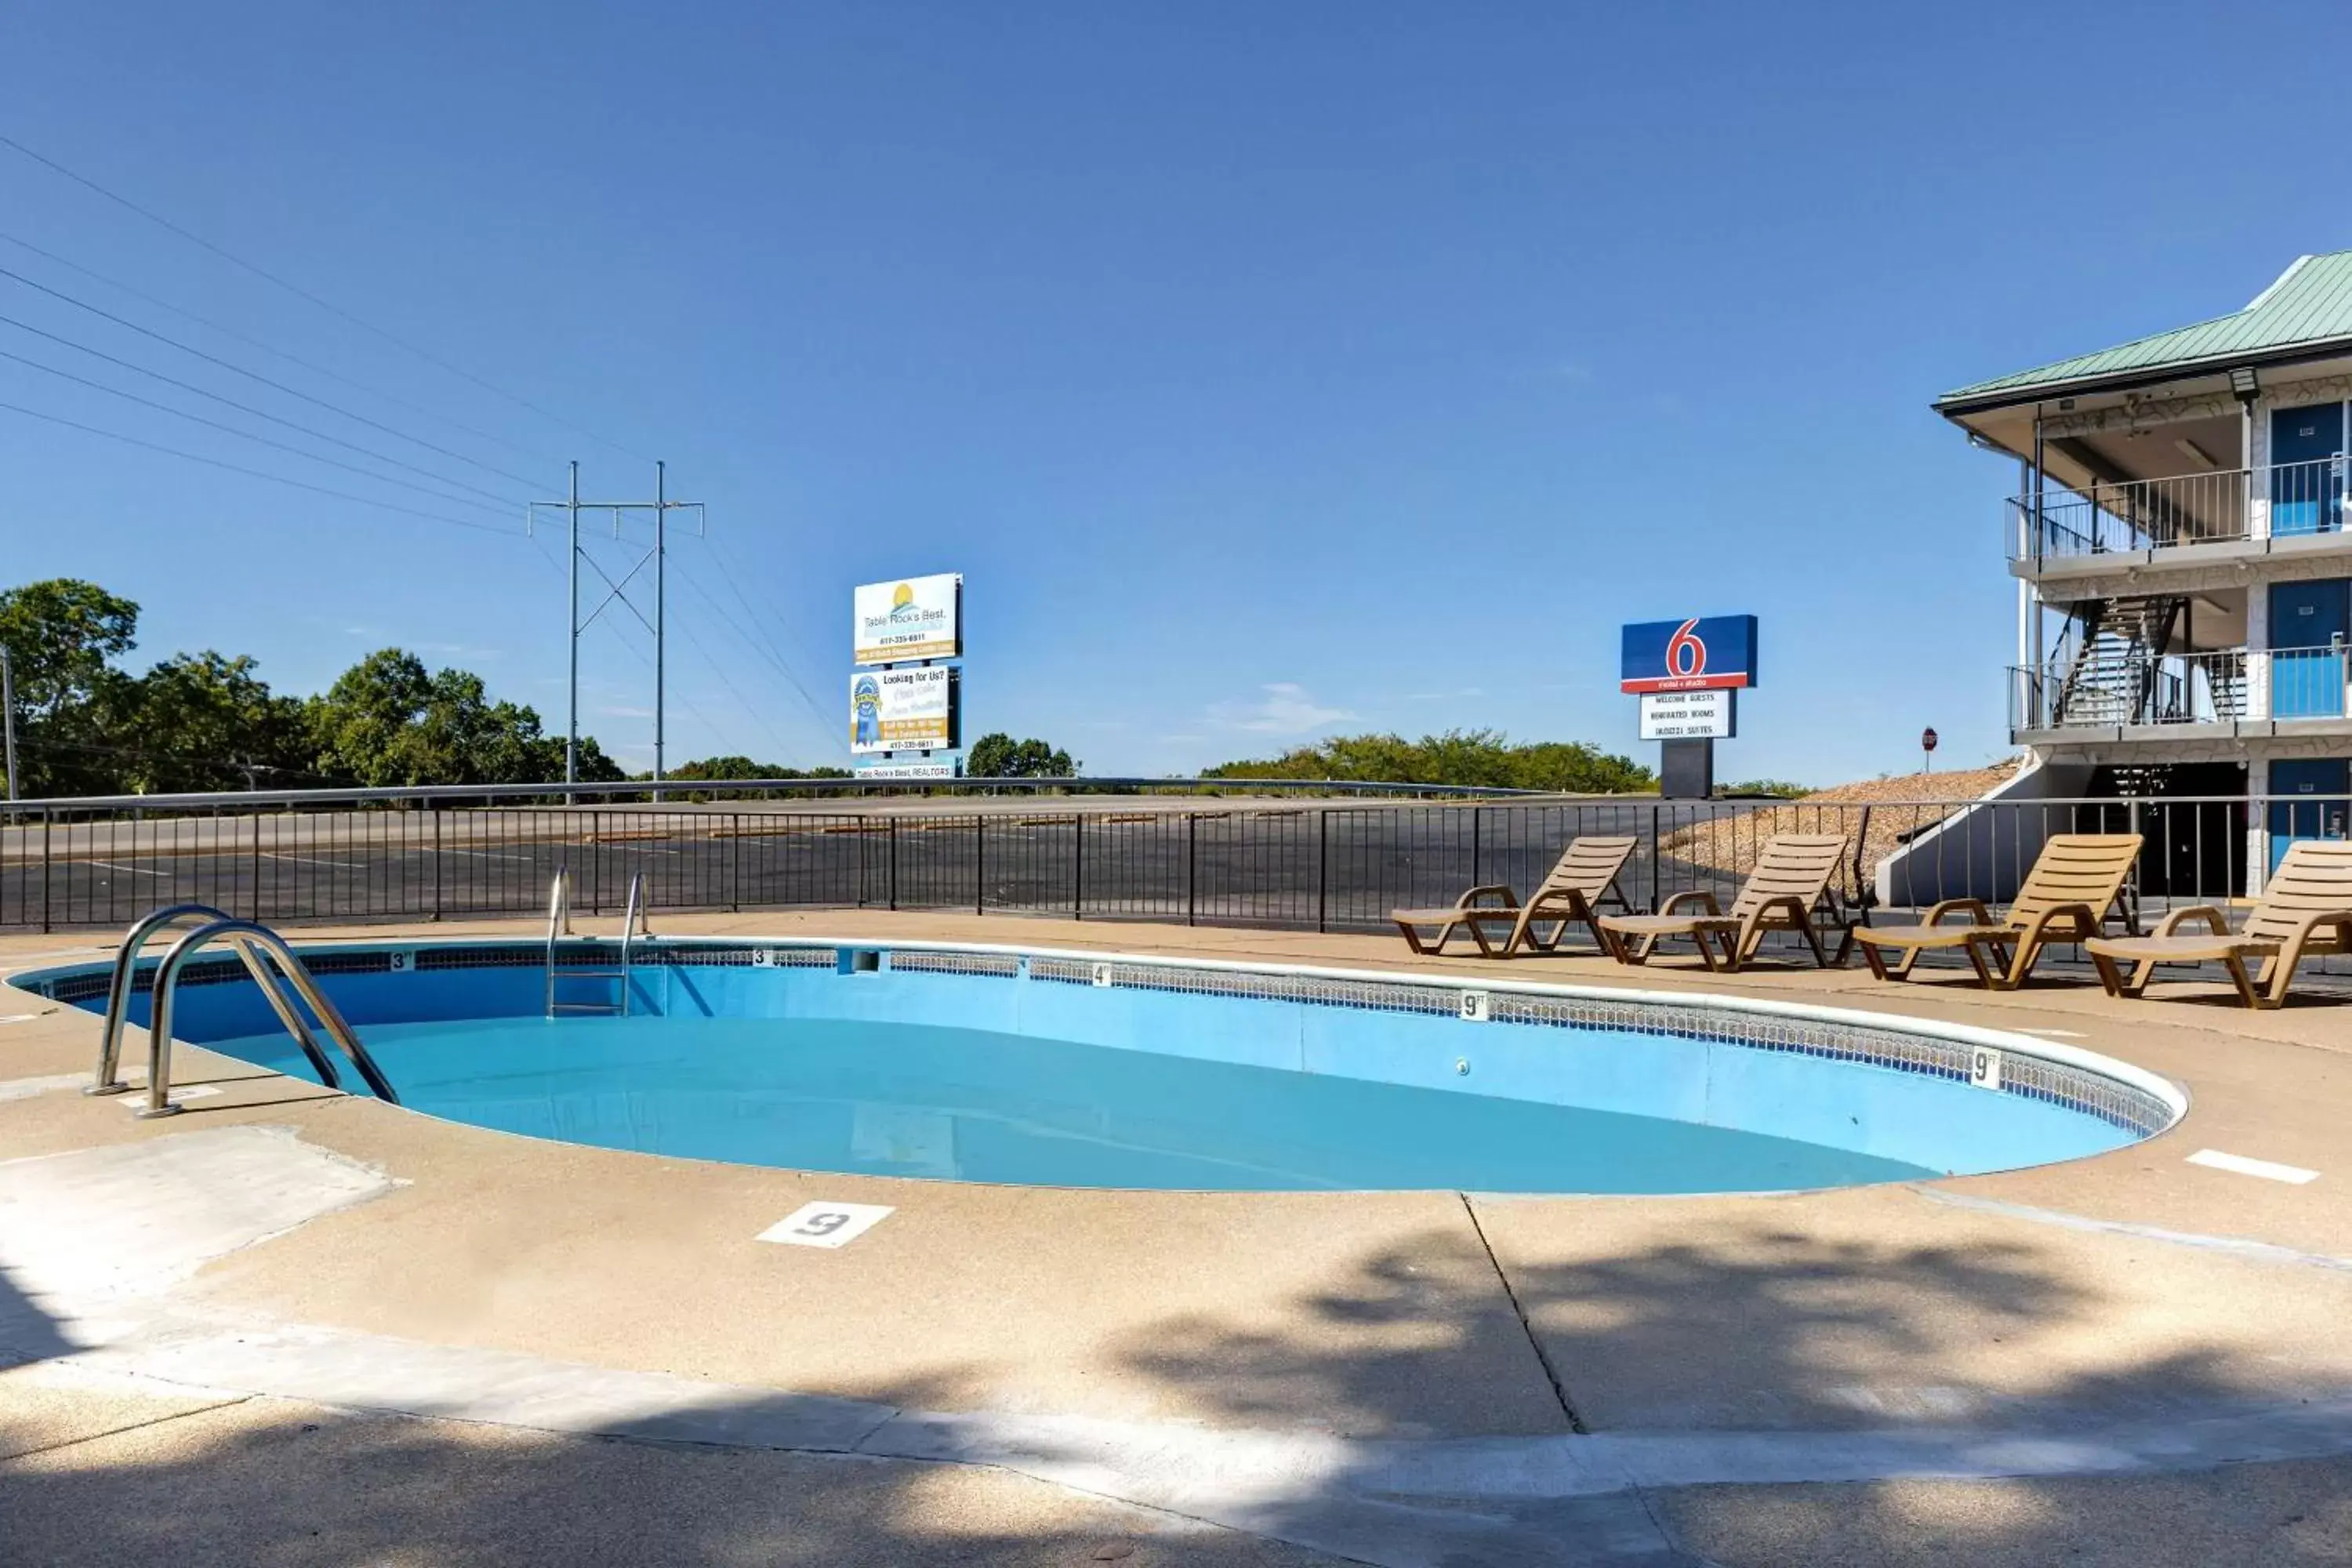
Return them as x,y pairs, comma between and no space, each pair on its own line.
559,925
274,968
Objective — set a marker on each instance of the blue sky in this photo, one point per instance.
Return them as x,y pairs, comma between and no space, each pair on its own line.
1269,370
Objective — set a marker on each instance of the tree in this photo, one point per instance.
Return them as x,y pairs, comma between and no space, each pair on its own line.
387,721
205,721
61,634
1000,756
1484,759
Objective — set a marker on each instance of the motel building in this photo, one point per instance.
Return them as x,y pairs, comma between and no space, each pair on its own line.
2184,573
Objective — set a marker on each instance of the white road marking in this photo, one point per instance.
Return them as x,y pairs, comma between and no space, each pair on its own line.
825,1225
134,871
2294,1175
491,855
314,860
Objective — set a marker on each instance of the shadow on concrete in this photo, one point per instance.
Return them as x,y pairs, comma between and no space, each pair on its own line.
264,1484
2285,1515
28,1333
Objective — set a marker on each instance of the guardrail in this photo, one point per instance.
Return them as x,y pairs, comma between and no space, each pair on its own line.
1313,866
2278,499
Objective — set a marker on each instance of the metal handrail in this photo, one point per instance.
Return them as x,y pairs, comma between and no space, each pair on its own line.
246,936
554,794
119,989
629,923
559,924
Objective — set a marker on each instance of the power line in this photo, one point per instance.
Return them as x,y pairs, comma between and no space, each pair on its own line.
299,292
291,358
256,375
769,652
244,434
253,473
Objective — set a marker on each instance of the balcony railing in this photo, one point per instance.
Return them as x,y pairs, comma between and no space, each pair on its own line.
2281,499
2107,690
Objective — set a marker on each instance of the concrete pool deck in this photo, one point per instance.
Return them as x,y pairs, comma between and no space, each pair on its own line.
2125,1359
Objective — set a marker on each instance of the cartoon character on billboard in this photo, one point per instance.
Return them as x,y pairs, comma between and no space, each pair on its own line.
866,712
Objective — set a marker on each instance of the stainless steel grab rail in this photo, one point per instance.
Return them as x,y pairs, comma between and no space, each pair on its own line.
559,925
119,990
247,936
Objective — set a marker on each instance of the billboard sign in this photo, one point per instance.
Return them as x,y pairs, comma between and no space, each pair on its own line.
914,619
1706,653
902,710
1710,714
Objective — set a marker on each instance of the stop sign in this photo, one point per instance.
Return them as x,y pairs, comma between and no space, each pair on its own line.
1927,740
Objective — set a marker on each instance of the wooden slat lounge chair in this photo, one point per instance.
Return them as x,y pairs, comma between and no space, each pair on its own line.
1791,877
2064,898
2305,911
1583,879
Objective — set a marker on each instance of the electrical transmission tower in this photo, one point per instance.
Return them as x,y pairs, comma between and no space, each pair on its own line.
657,556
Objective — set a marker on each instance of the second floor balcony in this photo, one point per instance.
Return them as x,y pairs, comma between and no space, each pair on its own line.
2147,518
2227,690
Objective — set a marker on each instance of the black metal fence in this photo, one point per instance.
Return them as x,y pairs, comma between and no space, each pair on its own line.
1317,865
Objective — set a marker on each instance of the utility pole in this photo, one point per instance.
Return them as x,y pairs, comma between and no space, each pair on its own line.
8,715
617,591
661,603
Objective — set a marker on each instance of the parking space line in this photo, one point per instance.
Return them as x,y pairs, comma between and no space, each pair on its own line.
314,860
134,871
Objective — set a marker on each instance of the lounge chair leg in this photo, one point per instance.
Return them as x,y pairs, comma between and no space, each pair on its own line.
1821,955
1975,959
1870,956
2111,977
2244,983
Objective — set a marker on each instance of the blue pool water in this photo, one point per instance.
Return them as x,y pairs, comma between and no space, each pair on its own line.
1035,1071
916,1101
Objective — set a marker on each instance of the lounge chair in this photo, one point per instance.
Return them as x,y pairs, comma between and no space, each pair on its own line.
2305,911
1584,878
2064,898
1792,876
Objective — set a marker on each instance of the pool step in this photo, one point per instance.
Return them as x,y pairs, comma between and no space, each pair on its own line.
559,975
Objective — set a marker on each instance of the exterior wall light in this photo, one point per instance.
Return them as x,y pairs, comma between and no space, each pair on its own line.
2243,386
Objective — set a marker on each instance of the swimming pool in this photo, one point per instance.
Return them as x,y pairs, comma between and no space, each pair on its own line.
1099,1070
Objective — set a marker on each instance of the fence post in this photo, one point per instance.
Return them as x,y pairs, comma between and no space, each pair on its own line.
891,833
1657,867
1477,845
48,831
255,906
1079,867
735,862
1323,869
979,862
436,859
1191,868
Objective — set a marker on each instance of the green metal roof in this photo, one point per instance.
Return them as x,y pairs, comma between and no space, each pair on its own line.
2310,303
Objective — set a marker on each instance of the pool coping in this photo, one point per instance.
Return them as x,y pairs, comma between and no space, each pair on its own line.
1988,1051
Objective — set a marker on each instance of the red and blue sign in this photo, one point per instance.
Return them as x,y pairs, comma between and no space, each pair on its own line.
1698,655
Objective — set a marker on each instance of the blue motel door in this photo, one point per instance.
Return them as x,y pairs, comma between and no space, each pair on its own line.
2310,623
2308,469
2308,800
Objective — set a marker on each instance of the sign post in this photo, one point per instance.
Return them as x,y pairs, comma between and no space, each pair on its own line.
1928,748
1688,674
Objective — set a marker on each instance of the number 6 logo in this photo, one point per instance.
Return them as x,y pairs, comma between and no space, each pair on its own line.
1686,653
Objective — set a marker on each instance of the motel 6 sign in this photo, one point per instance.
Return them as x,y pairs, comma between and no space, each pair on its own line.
1704,653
